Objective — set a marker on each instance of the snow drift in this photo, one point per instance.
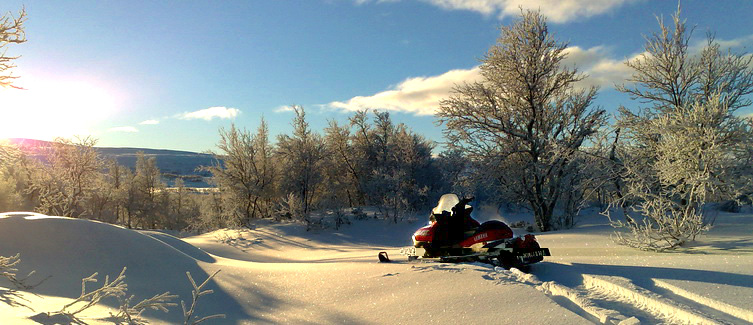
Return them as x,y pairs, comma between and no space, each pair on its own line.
68,250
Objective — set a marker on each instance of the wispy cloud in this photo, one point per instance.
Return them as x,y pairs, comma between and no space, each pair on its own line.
724,44
421,95
149,122
127,129
560,11
211,113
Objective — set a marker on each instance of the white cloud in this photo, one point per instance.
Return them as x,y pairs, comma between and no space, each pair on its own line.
208,114
603,70
149,122
128,129
559,11
419,95
283,109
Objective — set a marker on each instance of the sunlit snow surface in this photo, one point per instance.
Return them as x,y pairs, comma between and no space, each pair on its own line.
280,273
27,215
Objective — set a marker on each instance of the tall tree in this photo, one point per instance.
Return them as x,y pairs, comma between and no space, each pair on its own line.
302,157
148,193
526,113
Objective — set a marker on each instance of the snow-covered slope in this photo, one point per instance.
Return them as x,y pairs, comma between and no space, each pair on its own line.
279,273
67,250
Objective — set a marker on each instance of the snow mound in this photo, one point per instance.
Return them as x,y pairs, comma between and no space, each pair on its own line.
68,250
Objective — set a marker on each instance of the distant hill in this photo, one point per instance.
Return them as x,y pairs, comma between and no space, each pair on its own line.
172,163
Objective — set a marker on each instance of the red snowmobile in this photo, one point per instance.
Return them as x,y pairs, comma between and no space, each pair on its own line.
452,235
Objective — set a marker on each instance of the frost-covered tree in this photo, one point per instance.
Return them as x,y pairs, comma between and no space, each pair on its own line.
526,114
683,148
407,174
245,173
301,158
150,192
11,32
389,165
374,161
11,197
342,187
68,179
343,172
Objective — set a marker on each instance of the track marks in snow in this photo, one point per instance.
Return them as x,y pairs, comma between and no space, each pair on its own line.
605,299
624,290
602,315
742,314
616,300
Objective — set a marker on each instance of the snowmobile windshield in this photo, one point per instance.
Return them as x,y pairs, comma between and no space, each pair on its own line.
446,202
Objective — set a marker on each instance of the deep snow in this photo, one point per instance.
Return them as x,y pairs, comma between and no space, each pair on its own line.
280,273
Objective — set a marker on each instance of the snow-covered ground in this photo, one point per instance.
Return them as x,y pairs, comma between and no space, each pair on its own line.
279,273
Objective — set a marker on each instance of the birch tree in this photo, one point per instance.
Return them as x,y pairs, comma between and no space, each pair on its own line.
525,113
302,158
245,173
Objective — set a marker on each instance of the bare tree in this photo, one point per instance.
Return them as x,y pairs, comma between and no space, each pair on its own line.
11,32
681,150
526,113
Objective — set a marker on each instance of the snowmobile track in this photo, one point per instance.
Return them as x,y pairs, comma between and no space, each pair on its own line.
742,314
646,300
616,300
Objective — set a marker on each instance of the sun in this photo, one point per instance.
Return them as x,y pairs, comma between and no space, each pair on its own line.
50,107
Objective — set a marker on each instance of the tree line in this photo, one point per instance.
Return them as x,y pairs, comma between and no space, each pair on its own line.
370,161
527,133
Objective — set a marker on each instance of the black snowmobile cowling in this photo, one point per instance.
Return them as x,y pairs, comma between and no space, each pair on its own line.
453,235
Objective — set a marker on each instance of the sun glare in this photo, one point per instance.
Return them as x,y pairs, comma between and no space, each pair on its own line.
48,108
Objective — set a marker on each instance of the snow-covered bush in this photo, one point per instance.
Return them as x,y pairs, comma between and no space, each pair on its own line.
291,208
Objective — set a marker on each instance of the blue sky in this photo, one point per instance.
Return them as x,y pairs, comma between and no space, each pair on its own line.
168,74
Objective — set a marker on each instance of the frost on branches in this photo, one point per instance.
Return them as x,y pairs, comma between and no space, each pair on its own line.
685,150
525,120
